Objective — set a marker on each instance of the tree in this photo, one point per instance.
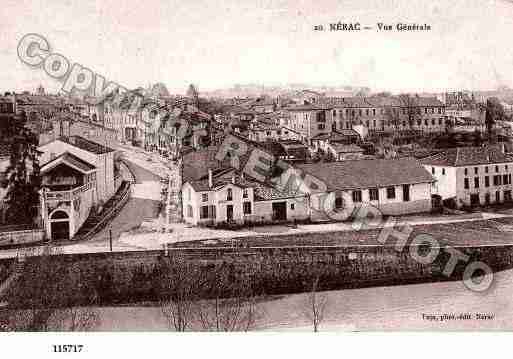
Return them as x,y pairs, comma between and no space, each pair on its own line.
494,112
22,177
316,302
180,282
233,306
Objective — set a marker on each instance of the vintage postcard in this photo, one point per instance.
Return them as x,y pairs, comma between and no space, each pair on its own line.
256,166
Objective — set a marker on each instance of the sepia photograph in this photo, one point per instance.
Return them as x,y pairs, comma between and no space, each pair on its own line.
266,166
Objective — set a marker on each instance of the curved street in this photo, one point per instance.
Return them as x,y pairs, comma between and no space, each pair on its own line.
144,203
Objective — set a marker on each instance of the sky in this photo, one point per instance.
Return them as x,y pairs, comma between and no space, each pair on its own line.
218,43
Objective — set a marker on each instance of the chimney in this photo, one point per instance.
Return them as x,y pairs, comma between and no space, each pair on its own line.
210,180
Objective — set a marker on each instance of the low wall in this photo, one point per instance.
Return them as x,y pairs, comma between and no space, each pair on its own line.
21,237
134,276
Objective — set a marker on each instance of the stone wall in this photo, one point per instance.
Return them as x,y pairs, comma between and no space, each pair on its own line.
134,276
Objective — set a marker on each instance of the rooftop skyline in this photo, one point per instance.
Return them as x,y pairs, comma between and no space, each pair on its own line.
218,44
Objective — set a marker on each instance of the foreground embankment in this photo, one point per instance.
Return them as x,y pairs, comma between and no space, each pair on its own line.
122,277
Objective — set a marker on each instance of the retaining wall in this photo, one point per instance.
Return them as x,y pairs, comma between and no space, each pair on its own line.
133,276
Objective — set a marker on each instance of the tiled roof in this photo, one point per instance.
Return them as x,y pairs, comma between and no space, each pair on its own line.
368,173
427,101
339,135
380,101
86,145
466,156
70,160
196,164
220,181
346,148
308,108
267,193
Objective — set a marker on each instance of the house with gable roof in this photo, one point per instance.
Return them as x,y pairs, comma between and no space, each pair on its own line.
472,176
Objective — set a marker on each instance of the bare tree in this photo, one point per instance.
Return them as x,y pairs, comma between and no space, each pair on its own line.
234,303
181,283
317,302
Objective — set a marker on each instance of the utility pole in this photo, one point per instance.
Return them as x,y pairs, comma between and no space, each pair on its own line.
110,239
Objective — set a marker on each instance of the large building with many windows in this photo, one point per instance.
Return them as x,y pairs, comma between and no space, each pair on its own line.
472,176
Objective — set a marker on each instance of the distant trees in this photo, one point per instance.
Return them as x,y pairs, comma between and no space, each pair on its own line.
22,177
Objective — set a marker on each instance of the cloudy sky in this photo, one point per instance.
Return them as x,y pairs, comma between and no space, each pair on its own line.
217,43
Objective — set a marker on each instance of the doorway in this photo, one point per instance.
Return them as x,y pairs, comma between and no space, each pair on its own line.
280,211
474,199
406,192
59,226
229,213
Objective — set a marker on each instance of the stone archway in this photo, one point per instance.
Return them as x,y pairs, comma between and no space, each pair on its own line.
59,225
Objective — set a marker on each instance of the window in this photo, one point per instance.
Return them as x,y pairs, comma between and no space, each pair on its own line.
476,170
374,194
339,202
419,122
440,121
433,121
496,169
204,197
357,196
292,206
390,192
443,171
245,193
425,122
367,112
247,207
487,181
507,195
486,169
496,180
229,194
189,211
189,194
432,170
212,211
373,112
334,113
497,196
465,184
466,171
506,167
204,212
476,182
505,179
321,126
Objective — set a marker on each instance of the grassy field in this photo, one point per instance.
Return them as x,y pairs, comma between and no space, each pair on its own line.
475,233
